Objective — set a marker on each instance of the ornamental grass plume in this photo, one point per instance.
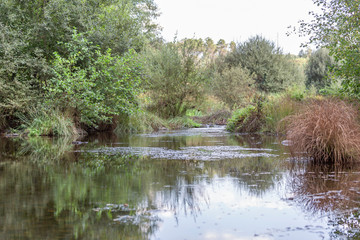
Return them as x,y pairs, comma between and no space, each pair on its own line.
326,130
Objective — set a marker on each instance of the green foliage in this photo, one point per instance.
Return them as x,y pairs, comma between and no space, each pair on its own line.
175,78
336,28
245,119
18,72
234,86
318,69
183,122
46,122
277,107
93,85
139,122
116,24
273,70
31,30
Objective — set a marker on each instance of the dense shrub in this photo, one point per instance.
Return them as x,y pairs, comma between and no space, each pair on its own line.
326,130
175,78
234,86
30,32
95,86
245,120
273,70
318,69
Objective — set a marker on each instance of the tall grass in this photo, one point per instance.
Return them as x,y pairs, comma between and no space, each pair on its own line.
139,122
326,130
275,109
183,122
47,122
247,119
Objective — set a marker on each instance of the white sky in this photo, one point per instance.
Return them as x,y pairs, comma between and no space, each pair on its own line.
234,20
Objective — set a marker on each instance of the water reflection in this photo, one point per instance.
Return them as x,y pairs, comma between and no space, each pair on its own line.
52,188
329,189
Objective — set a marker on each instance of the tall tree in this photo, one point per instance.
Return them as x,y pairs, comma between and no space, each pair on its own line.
175,77
273,70
336,27
318,69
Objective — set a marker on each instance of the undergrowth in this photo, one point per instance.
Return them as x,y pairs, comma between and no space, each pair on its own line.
46,122
140,122
183,122
245,119
218,118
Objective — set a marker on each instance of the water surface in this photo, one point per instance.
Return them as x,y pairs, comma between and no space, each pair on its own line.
186,184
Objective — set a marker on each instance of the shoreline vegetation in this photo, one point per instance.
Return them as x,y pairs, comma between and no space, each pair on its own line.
64,74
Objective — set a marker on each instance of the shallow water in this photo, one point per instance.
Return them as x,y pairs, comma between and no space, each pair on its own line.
186,184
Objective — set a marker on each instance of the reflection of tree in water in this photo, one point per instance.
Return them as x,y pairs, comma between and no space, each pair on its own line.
46,192
171,142
45,196
257,141
329,190
255,175
53,191
179,193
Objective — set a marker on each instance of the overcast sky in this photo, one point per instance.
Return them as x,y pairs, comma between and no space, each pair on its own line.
234,20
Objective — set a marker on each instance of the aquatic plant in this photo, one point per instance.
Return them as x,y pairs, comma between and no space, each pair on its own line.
326,130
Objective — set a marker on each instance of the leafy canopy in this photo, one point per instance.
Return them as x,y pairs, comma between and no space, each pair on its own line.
93,84
318,69
336,27
176,74
273,70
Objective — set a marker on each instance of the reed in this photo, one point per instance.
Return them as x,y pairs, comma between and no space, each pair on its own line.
326,130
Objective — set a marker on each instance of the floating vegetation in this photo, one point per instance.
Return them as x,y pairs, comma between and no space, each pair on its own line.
202,153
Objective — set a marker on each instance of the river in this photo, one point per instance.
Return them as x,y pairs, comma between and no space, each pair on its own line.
189,184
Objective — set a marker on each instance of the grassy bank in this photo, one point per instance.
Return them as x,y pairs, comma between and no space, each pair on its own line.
265,113
325,129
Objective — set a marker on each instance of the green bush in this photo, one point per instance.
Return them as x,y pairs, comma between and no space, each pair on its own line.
175,78
95,86
247,119
234,86
273,71
318,69
30,32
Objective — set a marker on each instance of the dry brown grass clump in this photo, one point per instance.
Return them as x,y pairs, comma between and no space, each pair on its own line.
326,130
